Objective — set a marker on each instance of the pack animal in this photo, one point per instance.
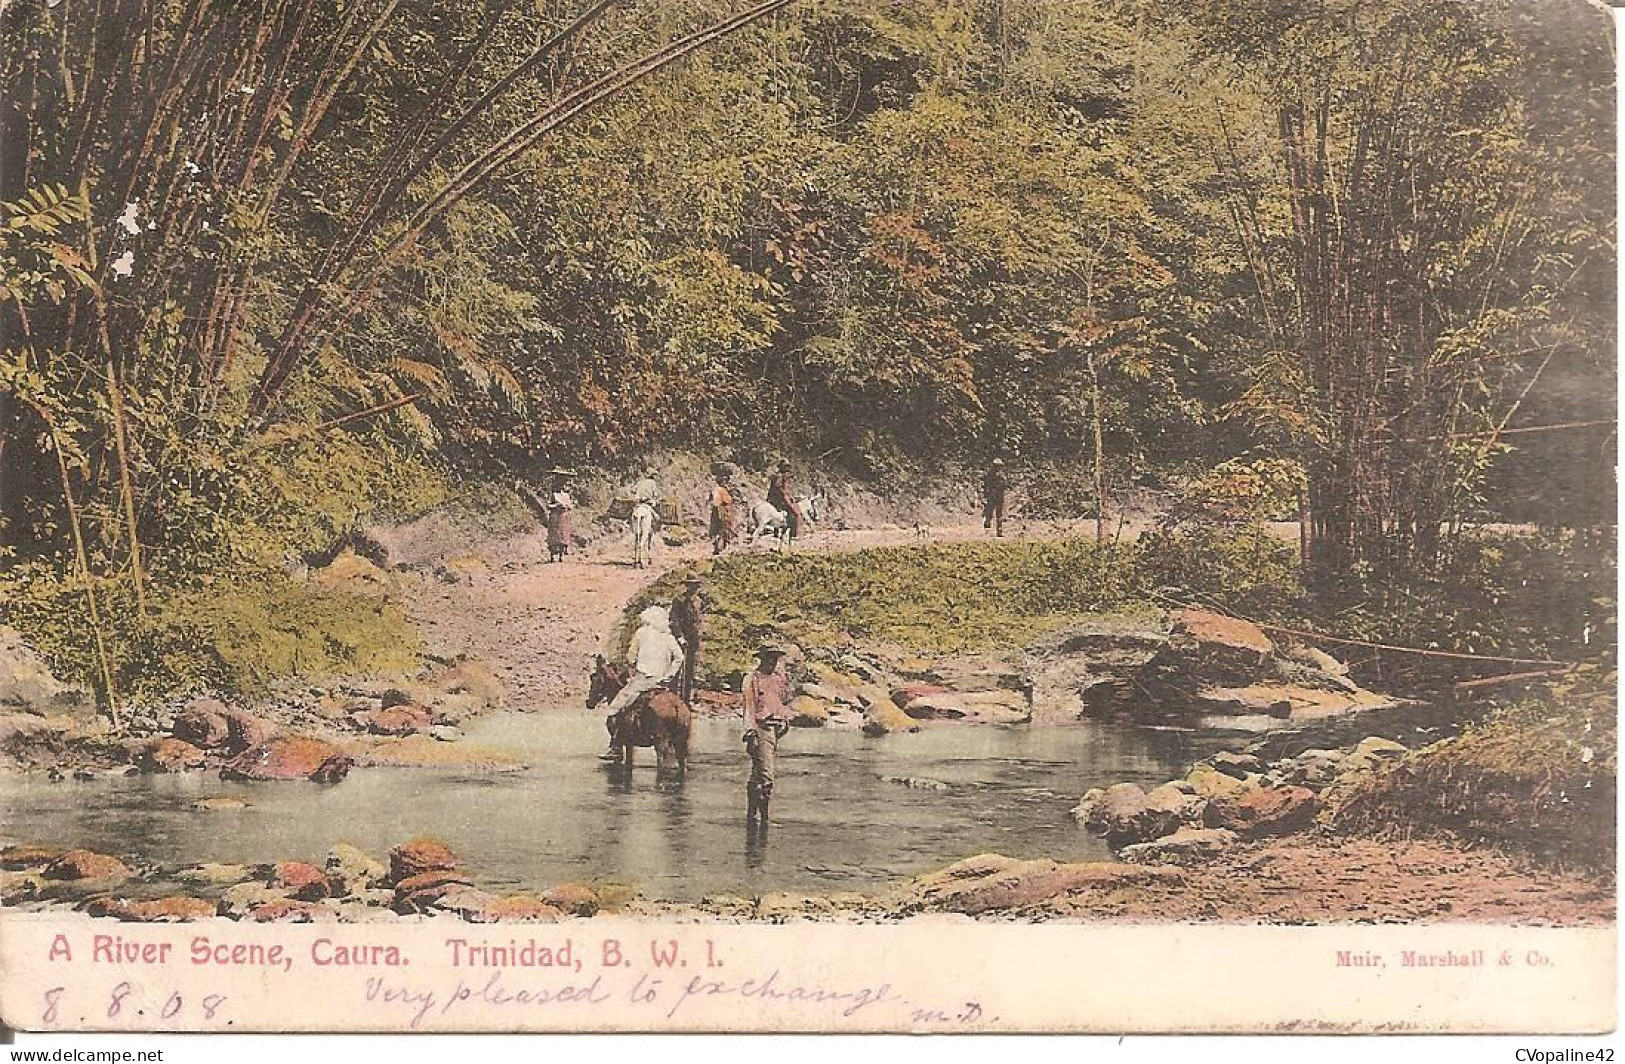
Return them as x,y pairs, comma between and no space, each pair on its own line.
643,535
769,522
660,719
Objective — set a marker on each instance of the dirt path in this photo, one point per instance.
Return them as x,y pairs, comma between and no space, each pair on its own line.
537,624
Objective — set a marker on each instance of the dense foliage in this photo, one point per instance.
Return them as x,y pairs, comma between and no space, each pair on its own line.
270,269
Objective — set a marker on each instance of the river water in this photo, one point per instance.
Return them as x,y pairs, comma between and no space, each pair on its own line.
839,823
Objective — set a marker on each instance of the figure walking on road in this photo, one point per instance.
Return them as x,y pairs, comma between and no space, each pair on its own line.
994,488
559,506
687,619
767,719
723,526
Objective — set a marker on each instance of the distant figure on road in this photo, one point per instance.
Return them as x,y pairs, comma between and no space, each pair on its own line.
722,515
655,657
644,518
767,719
559,505
687,620
994,487
782,497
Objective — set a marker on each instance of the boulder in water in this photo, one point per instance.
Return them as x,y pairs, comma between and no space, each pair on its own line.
290,757
420,855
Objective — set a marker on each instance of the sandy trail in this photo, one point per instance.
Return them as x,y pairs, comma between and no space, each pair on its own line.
537,624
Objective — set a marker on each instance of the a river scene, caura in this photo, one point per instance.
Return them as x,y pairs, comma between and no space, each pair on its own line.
850,813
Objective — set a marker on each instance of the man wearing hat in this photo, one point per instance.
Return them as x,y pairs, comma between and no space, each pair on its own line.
767,718
782,497
655,657
687,617
994,486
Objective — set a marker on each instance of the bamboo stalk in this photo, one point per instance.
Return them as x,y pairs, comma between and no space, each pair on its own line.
120,432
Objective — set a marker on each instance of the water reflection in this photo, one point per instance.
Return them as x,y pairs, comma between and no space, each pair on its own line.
848,812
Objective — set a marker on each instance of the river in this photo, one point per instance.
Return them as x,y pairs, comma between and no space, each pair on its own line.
839,823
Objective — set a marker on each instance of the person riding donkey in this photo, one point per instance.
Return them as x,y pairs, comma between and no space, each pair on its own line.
782,497
656,657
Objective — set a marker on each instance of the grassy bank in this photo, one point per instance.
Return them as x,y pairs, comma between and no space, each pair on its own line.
1537,777
935,599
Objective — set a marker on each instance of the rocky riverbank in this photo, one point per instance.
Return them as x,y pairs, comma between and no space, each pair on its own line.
1305,878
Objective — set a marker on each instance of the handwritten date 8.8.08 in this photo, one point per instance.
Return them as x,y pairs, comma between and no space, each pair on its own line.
132,1004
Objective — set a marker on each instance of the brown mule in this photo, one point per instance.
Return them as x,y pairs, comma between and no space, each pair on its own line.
659,719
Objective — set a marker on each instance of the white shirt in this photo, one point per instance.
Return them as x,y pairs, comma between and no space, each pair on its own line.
655,652
648,491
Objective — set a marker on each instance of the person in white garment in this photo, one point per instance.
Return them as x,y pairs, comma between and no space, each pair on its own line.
655,656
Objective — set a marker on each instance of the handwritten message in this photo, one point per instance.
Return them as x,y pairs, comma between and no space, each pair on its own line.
73,972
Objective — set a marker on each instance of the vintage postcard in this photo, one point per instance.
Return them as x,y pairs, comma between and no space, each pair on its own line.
808,516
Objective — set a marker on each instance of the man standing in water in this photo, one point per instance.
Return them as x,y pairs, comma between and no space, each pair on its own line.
767,718
994,486
687,618
655,657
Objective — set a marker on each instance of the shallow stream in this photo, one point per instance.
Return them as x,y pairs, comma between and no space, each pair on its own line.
841,819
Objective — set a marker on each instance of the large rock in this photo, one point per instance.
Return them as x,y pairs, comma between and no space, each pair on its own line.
23,855
519,908
1271,811
881,715
290,757
1209,782
1170,806
1120,814
1186,844
245,731
1237,765
170,755
466,676
970,707
203,723
27,683
353,870
418,856
395,720
87,864
1220,645
809,712
577,899
301,881
992,882
172,909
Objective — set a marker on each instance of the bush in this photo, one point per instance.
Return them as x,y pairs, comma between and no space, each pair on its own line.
1538,777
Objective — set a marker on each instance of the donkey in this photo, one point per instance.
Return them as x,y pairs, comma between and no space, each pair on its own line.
769,522
659,719
643,535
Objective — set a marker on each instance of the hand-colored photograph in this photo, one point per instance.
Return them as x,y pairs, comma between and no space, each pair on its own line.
513,468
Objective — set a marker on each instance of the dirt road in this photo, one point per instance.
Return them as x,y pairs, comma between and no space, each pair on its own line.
538,623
